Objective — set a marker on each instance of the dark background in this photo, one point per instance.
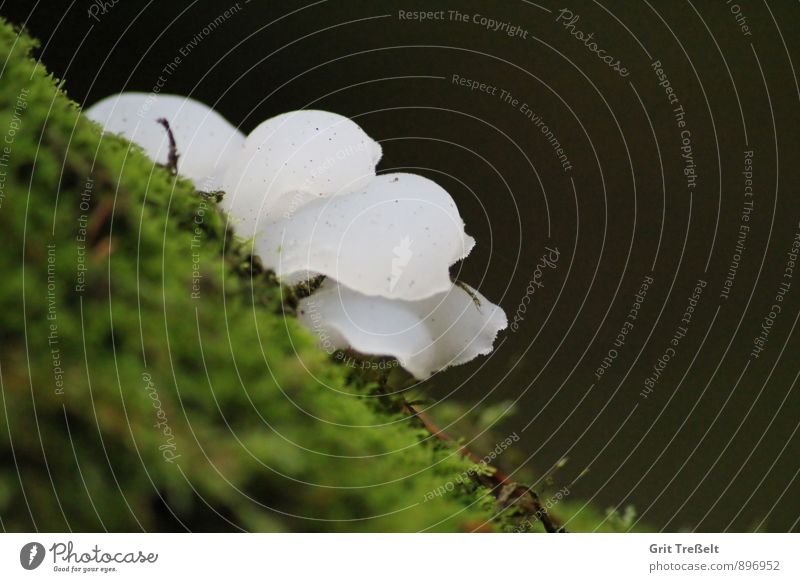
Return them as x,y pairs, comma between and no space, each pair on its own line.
715,445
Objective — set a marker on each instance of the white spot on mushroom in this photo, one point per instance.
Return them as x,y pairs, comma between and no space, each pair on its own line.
396,238
292,159
425,336
206,141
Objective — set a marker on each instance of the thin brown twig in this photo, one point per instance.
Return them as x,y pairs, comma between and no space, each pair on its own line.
499,482
173,155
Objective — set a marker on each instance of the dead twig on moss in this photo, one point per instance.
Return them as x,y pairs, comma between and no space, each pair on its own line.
506,491
173,155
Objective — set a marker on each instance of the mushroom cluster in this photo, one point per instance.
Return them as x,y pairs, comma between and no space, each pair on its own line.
303,187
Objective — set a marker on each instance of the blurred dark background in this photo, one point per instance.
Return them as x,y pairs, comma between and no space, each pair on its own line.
714,445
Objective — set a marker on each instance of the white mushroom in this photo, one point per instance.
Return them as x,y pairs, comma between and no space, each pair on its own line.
292,159
396,238
425,336
205,140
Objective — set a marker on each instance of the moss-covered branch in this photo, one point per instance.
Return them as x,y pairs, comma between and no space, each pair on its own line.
151,379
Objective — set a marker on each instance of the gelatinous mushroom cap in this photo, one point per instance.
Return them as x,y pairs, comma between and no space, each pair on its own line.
397,238
425,336
295,158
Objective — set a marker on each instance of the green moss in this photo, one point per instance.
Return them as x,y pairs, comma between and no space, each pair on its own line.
132,398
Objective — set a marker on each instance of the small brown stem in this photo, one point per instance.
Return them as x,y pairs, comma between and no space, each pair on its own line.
173,155
499,482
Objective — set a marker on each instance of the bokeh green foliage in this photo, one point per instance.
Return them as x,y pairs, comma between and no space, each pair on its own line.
132,405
